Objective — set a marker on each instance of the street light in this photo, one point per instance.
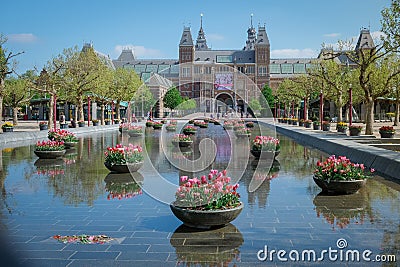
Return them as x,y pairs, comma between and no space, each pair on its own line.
350,105
321,108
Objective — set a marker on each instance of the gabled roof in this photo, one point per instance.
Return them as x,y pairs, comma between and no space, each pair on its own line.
186,39
365,40
157,80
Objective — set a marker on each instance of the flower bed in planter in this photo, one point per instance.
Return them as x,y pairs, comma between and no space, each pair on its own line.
387,131
123,159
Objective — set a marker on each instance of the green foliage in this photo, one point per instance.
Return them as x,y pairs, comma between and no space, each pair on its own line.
144,96
187,104
255,105
268,96
172,98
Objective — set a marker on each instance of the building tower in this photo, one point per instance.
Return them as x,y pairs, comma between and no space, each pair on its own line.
186,55
251,36
262,58
365,41
201,42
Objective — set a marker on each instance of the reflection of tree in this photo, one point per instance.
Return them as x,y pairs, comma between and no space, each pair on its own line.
296,159
215,247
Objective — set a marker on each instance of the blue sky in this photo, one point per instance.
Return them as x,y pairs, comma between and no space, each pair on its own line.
296,28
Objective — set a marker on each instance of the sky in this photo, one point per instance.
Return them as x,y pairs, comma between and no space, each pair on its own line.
153,28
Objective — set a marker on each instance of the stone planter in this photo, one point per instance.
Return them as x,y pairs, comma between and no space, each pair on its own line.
354,132
134,134
8,129
70,144
157,126
341,129
326,127
43,127
203,125
95,123
266,154
182,143
189,132
171,128
340,187
81,124
49,154
307,125
316,126
107,122
386,134
294,122
205,219
124,168
301,123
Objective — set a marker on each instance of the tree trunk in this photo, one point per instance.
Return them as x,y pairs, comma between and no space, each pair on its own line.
369,116
397,111
117,109
80,109
339,107
50,118
102,113
15,116
1,97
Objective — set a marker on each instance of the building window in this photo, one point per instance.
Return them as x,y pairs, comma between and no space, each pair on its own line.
299,68
207,70
250,70
241,69
224,59
275,68
262,71
287,68
185,72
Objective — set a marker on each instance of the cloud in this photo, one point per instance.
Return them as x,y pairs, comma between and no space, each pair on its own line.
332,35
22,38
377,35
294,53
214,37
139,51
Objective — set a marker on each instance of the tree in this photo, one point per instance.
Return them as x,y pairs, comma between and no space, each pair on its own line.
124,85
391,25
188,104
16,94
172,98
6,67
143,99
255,105
268,96
102,91
83,68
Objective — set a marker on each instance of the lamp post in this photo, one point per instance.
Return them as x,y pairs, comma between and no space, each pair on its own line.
350,105
88,111
321,108
55,111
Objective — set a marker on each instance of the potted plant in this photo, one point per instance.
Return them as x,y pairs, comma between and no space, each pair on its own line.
189,130
355,130
301,122
149,123
250,124
265,144
7,127
135,130
173,122
208,201
203,124
171,127
341,127
95,122
326,126
49,149
294,121
107,121
182,140
66,136
43,125
123,159
191,122
81,123
243,132
307,123
316,125
123,127
228,125
340,176
117,121
157,125
387,131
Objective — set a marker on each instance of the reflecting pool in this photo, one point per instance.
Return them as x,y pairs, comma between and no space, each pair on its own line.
77,195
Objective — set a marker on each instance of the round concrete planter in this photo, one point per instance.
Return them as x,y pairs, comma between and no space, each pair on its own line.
124,168
157,126
316,126
386,135
49,154
340,187
189,132
43,127
8,129
257,153
171,128
238,135
70,144
182,143
81,124
134,134
326,127
354,132
307,125
206,219
341,129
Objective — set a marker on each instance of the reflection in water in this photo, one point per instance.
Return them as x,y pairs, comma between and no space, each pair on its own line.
216,247
123,185
342,210
50,167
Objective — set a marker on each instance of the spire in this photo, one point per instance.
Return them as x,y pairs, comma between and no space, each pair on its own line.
186,39
201,42
365,40
251,35
262,37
